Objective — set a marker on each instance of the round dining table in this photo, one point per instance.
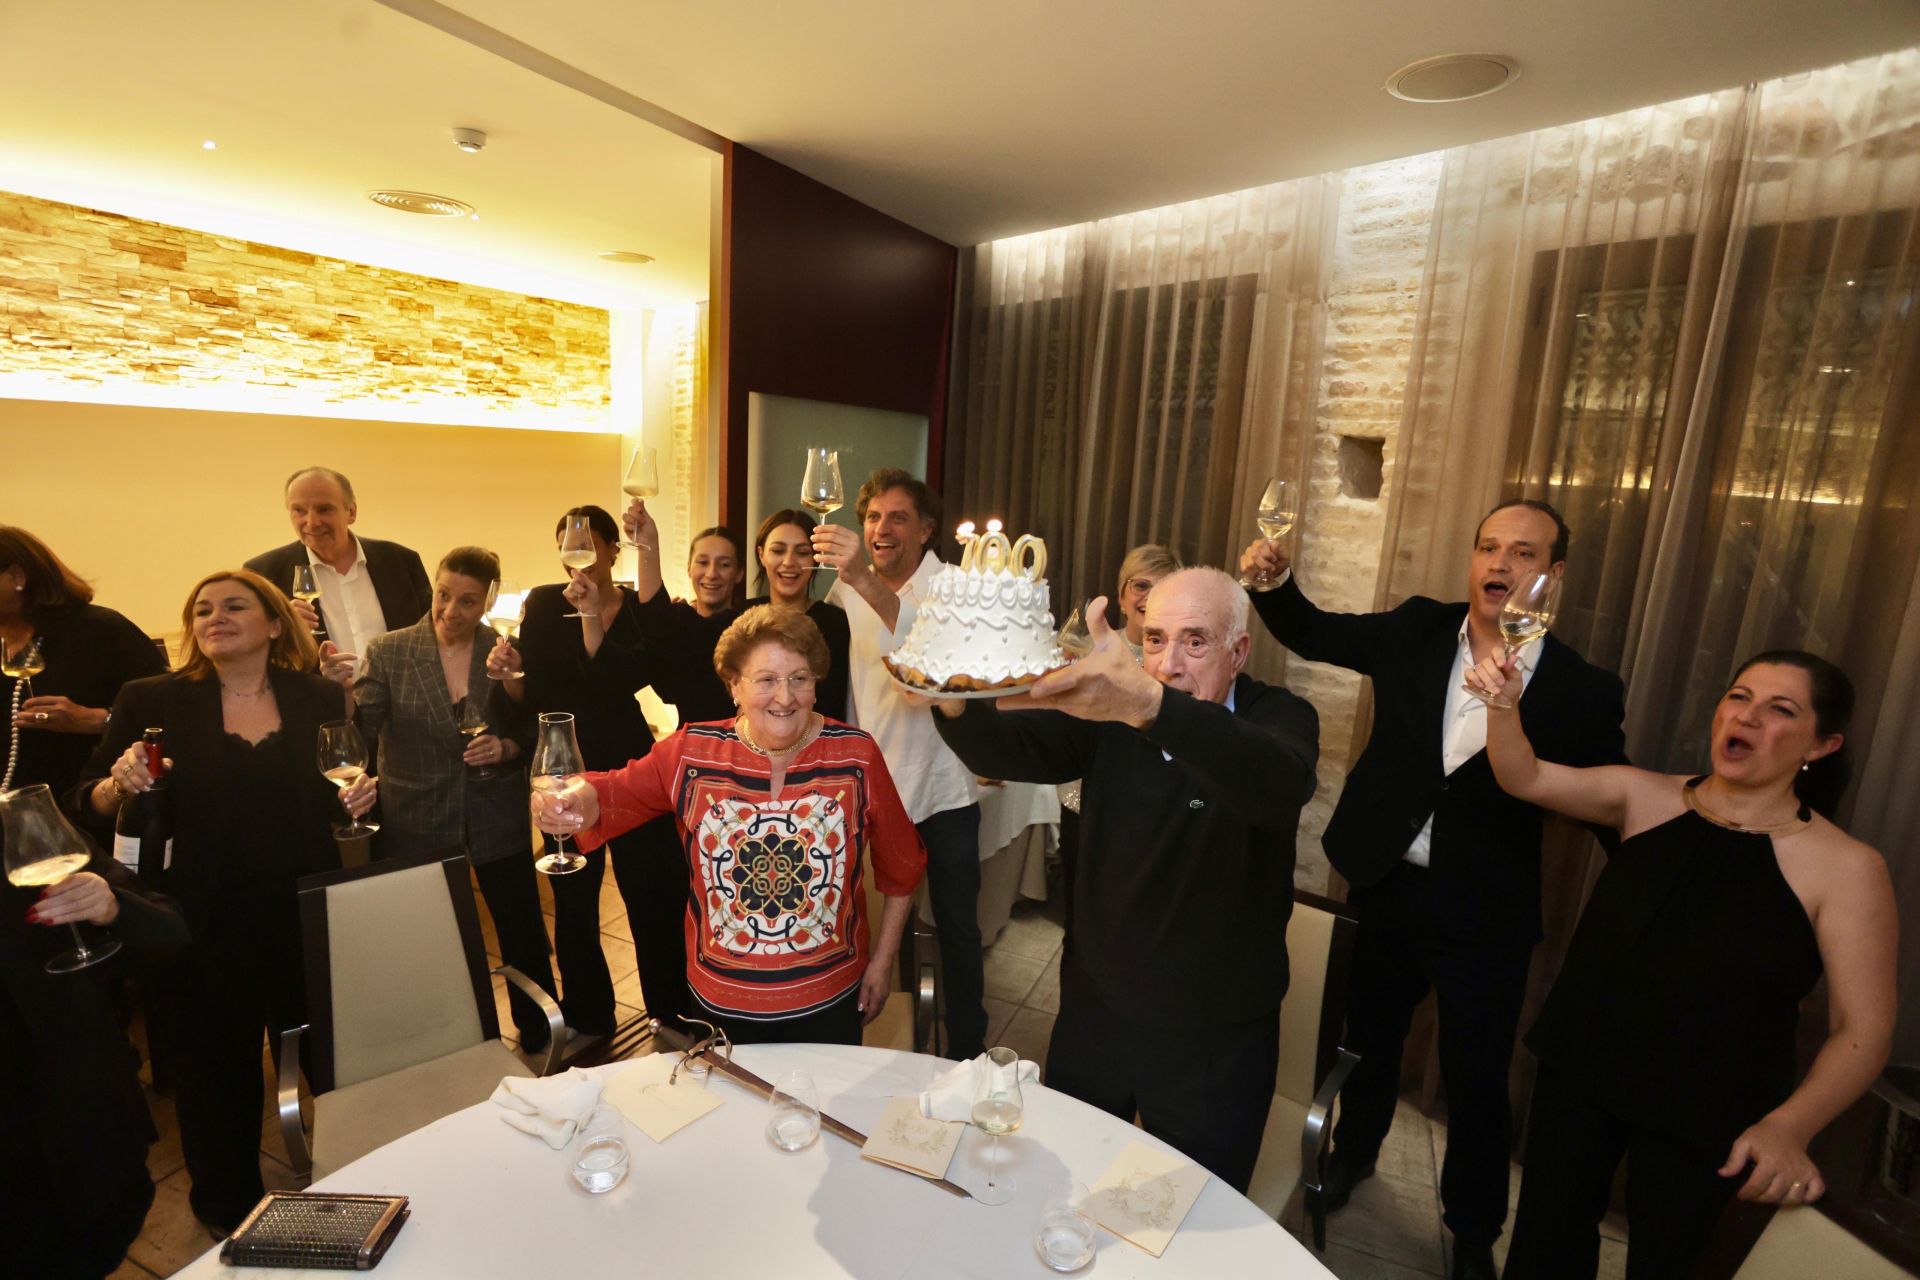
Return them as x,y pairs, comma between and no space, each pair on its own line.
718,1199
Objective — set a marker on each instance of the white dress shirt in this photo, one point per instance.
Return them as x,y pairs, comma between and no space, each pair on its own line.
348,603
928,776
1463,729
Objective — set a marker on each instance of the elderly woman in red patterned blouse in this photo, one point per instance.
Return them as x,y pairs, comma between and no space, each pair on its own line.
780,810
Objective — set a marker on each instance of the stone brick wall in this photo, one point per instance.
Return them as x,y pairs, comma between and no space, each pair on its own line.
94,298
1373,299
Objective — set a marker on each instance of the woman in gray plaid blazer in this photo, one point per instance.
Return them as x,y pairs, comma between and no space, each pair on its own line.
442,790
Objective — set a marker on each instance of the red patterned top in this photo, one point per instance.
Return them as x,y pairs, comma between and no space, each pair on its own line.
776,925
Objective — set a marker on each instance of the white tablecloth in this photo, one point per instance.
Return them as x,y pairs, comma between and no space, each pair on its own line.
718,1200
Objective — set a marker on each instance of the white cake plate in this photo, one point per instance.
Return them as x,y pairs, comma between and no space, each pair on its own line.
964,695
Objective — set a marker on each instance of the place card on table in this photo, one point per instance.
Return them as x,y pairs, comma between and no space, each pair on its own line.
657,1108
1144,1195
908,1140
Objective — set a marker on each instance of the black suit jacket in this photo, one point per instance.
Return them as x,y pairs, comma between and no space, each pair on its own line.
1484,858
188,713
399,579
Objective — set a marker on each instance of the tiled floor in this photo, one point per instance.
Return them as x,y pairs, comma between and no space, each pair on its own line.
1390,1231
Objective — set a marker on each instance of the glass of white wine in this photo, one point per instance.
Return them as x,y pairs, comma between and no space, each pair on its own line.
306,587
1275,517
24,663
1075,640
1525,615
577,550
43,849
642,481
506,606
472,723
343,762
821,490
556,761
997,1109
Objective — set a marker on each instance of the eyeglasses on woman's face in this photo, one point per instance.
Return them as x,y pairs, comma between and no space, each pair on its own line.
766,685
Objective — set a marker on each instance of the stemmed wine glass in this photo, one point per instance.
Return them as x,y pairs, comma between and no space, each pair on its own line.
24,663
43,849
643,481
556,760
343,762
1275,518
821,489
305,587
1075,640
472,723
997,1109
576,549
1525,616
506,606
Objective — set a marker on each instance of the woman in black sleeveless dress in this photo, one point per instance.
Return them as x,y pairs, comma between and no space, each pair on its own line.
1668,1037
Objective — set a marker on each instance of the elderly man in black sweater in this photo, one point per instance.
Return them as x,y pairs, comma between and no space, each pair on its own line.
1195,774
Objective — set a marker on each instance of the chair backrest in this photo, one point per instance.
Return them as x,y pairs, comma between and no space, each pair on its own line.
396,967
1803,1242
1319,955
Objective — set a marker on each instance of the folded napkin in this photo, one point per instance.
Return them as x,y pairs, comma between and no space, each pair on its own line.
950,1097
550,1109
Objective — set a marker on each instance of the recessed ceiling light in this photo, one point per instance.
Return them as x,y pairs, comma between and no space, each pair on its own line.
1453,77
420,202
208,145
627,255
471,141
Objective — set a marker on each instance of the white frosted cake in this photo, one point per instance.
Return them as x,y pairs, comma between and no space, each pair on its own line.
984,624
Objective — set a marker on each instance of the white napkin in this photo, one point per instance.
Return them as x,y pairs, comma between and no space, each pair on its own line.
550,1109
950,1097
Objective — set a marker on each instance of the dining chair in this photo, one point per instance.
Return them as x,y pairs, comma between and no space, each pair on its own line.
1289,1176
909,1018
1803,1242
402,1024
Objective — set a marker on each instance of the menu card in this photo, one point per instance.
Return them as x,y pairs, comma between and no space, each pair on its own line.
1144,1195
908,1140
659,1109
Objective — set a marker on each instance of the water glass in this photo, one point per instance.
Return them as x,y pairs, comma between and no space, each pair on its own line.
600,1151
795,1119
1064,1240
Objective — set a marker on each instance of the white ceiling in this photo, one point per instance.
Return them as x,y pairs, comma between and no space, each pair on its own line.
105,103
980,118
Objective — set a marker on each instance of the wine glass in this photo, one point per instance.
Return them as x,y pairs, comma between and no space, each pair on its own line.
43,849
1525,616
576,549
1275,518
1074,639
643,481
506,606
23,664
556,760
306,587
997,1109
472,723
343,762
821,489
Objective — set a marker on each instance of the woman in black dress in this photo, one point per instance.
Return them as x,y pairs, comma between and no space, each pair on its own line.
90,652
1669,1035
250,815
784,548
679,636
592,666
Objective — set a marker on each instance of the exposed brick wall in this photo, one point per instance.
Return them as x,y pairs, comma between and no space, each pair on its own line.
96,298
1373,299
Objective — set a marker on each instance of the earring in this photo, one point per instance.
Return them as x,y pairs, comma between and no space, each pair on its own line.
1805,765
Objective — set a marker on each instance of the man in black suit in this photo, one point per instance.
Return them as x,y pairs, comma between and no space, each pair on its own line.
1445,866
367,587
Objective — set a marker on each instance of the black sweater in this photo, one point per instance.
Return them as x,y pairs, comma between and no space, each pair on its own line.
1185,877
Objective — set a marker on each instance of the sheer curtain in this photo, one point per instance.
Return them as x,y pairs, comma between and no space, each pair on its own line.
1692,328
1140,378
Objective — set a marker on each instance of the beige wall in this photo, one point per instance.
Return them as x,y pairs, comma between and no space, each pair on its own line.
142,502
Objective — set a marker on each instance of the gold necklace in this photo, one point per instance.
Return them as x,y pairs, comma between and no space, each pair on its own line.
1799,822
745,734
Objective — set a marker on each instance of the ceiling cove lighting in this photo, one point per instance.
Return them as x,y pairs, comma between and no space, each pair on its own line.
627,256
421,202
1453,77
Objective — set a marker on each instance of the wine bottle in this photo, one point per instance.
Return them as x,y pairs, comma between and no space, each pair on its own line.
143,829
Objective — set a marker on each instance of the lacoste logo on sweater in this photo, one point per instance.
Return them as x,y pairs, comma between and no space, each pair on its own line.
1196,804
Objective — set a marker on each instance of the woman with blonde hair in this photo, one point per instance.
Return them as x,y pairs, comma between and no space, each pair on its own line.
250,814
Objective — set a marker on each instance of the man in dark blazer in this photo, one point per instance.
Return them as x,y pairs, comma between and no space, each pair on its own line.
367,587
1444,866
